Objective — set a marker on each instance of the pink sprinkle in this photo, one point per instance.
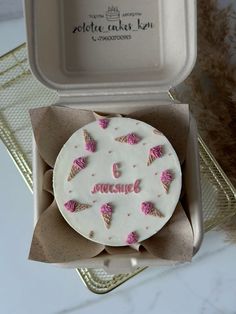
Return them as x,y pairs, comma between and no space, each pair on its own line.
146,207
166,177
103,123
91,146
132,238
106,209
80,162
71,206
156,151
132,139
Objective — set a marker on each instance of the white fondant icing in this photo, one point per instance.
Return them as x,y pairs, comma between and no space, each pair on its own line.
127,215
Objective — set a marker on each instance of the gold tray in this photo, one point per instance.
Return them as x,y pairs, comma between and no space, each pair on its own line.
20,91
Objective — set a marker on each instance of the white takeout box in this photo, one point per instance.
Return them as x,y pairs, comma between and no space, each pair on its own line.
115,57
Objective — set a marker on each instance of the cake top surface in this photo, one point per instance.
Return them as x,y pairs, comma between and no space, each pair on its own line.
117,181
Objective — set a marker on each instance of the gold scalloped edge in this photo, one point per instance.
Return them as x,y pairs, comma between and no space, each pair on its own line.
224,184
103,286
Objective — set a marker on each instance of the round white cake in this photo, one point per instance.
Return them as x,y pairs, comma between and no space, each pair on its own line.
117,181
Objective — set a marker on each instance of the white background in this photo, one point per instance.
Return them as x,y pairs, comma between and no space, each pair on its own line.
207,286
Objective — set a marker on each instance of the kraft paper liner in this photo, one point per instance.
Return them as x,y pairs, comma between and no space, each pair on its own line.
120,250
54,241
165,241
53,126
47,181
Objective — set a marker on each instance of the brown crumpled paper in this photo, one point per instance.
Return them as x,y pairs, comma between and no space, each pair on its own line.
54,241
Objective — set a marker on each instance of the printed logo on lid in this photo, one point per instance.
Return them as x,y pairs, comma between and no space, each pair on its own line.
113,25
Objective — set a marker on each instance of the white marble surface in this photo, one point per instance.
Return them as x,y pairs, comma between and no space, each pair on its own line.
10,9
12,34
207,286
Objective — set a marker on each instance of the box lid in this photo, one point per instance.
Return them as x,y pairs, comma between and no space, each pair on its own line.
80,45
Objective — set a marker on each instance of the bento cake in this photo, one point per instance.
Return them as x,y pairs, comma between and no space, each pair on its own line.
117,181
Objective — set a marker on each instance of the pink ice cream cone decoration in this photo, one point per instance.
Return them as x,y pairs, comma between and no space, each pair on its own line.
73,206
78,165
166,179
148,208
90,143
132,238
130,139
106,212
155,153
103,123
